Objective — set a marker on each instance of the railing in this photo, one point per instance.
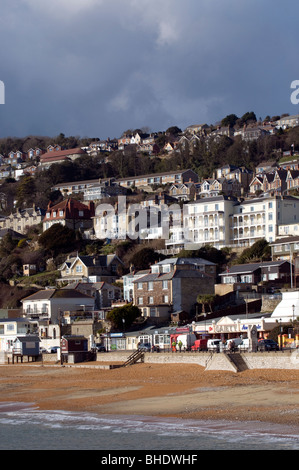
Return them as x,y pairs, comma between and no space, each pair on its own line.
38,312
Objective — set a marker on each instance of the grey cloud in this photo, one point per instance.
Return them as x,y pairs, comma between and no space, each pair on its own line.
100,67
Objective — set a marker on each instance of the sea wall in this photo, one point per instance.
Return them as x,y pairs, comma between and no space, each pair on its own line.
235,362
288,359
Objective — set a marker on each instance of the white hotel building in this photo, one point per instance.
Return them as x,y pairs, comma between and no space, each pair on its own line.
261,217
222,221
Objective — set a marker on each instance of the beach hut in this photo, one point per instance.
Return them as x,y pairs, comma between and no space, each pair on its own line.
74,348
27,345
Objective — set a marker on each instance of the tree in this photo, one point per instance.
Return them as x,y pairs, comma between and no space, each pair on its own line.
247,117
229,120
174,130
206,299
207,252
143,258
259,251
26,191
58,239
123,317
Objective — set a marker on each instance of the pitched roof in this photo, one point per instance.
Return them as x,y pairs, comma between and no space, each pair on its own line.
48,294
61,153
70,208
88,261
197,261
29,338
288,240
192,273
251,267
166,173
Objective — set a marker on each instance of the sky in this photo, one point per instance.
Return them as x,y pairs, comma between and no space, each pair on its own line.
96,68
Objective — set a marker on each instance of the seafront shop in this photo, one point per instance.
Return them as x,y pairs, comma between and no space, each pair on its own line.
225,328
234,327
157,336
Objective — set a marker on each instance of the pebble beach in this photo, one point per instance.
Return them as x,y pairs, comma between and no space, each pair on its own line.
184,391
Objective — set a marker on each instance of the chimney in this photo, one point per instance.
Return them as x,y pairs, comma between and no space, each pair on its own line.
91,208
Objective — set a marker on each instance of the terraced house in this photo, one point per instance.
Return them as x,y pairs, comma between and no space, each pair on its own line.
181,176
101,268
172,285
22,219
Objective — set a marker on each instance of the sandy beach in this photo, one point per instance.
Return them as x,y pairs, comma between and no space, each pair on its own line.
173,390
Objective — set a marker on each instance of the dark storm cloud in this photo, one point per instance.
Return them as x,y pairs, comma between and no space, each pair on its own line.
99,67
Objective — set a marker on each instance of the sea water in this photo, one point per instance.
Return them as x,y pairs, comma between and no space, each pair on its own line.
25,427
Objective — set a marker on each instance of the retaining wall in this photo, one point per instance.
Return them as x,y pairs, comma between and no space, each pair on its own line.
215,361
210,361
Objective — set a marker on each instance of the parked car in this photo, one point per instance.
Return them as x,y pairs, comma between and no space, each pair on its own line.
54,349
267,345
214,344
200,345
244,345
145,347
100,347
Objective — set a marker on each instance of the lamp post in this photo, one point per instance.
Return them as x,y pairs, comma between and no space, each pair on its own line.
291,267
281,330
60,333
123,320
293,307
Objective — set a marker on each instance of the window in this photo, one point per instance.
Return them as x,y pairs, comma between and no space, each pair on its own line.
150,285
164,284
165,299
151,300
166,268
139,285
140,300
79,269
153,312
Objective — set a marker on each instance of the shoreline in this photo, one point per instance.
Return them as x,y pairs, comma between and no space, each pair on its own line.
181,391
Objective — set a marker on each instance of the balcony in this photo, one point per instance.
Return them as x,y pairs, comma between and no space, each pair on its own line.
38,314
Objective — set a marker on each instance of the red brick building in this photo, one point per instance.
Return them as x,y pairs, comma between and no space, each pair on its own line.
70,213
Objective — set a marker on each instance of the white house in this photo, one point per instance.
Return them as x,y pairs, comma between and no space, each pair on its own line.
10,329
49,304
128,284
206,220
258,218
222,221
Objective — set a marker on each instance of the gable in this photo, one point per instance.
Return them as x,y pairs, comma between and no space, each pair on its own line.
225,321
